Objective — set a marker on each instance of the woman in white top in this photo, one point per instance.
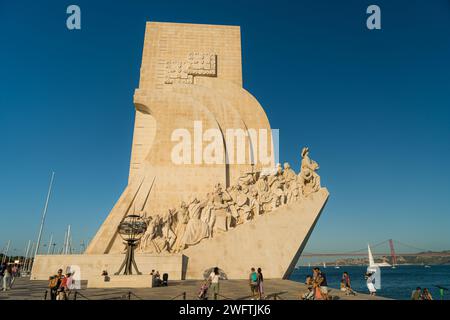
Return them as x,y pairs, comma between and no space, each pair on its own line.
214,278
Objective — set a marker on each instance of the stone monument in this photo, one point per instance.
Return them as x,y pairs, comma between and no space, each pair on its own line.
203,174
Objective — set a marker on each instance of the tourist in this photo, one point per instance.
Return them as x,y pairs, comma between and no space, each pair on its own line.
71,282
253,281
346,285
7,275
318,295
63,290
15,270
203,293
416,294
260,284
54,283
370,282
105,276
309,295
214,278
321,285
426,295
157,279
153,278
2,270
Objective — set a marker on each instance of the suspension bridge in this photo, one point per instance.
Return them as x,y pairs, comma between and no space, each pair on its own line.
388,247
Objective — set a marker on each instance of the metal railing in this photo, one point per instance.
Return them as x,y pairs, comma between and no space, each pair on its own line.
77,293
183,295
130,294
216,295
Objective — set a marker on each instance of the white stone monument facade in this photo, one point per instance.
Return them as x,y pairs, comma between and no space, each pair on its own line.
202,170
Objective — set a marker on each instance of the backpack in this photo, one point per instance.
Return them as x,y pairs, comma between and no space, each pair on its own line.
254,277
53,282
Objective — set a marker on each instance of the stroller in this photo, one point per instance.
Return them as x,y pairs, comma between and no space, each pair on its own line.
203,293
165,280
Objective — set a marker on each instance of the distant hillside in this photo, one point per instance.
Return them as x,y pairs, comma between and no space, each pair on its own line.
441,257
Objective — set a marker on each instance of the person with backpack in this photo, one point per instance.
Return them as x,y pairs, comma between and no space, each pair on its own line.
54,284
253,281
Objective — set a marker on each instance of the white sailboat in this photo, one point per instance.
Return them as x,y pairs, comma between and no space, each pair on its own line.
372,263
324,265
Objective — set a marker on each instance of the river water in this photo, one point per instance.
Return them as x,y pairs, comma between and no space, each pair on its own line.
395,283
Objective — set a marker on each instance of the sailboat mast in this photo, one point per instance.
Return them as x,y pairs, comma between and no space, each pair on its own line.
43,216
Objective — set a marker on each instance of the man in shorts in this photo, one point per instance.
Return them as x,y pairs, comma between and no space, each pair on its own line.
253,281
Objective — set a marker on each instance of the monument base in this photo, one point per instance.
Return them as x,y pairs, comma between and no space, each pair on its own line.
273,241
122,281
90,266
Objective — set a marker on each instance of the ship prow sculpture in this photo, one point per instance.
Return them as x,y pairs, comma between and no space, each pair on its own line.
203,174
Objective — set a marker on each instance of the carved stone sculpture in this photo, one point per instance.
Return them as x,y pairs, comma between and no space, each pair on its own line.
309,179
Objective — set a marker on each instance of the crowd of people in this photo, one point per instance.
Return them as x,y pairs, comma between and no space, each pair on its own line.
420,294
256,279
317,286
211,286
61,285
8,272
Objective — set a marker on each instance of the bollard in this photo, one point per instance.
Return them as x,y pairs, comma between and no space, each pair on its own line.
45,294
215,296
129,295
75,295
184,295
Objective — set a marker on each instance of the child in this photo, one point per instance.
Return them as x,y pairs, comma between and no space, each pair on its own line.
203,293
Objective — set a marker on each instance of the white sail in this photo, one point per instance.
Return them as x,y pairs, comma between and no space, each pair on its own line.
372,263
371,260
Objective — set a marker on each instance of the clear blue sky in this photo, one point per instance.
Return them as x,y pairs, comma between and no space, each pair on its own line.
373,106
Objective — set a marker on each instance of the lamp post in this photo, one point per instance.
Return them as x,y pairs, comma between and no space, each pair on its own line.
131,229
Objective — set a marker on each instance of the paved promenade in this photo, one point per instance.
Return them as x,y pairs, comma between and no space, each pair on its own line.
25,289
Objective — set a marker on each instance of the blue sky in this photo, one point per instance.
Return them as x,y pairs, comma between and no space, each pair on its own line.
373,106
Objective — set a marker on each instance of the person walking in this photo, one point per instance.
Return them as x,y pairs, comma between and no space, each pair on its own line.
64,287
214,278
260,283
54,284
370,282
7,275
253,282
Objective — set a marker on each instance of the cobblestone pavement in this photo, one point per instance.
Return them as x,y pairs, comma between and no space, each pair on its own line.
25,289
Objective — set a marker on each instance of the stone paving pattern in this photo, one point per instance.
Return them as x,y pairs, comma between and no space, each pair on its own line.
25,289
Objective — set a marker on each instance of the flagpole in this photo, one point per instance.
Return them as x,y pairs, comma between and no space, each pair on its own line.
63,250
5,253
29,258
43,216
68,239
26,254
